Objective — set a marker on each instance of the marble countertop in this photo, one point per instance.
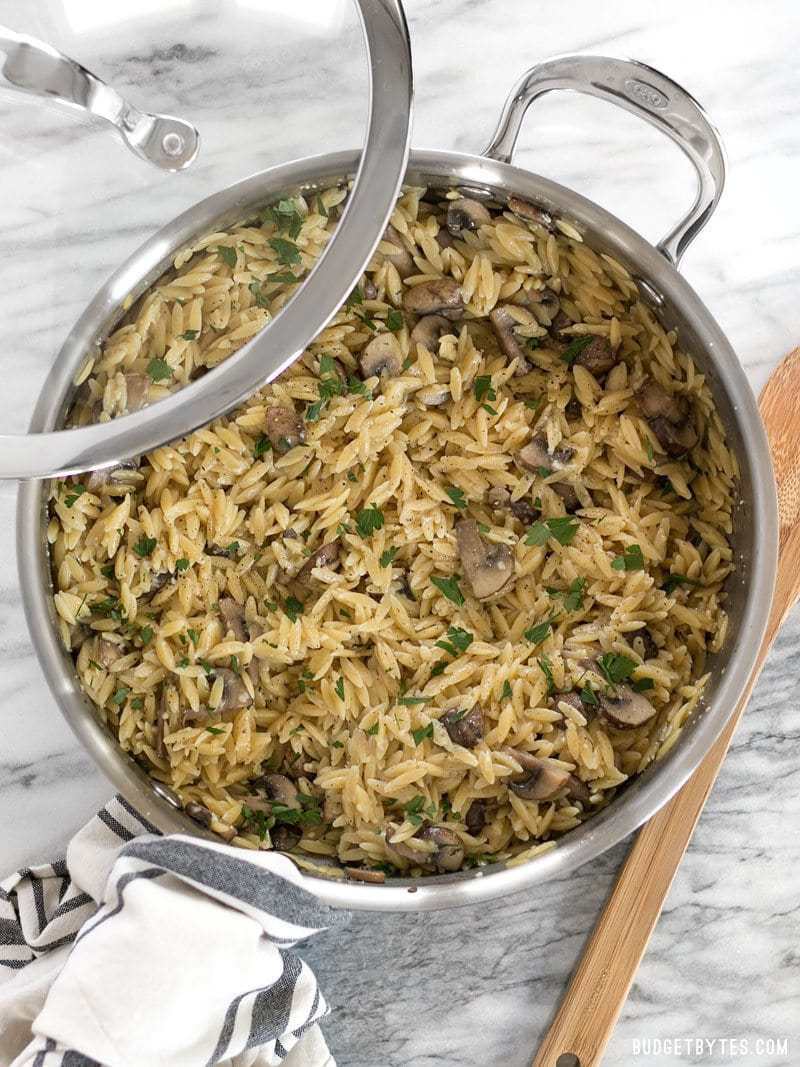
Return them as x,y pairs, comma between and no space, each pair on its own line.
478,984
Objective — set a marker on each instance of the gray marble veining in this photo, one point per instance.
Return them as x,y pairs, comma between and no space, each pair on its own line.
476,985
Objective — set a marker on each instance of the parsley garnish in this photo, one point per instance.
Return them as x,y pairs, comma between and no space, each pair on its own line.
227,255
631,559
368,520
215,729
159,370
575,347
547,671
394,320
120,696
423,732
108,570
449,587
641,685
288,253
649,449
482,388
388,556
144,546
456,495
77,491
563,528
573,600
588,696
146,634
458,641
674,580
537,634
260,297
372,730
137,703
182,564
356,297
293,608
263,444
189,335
415,810
408,702
507,691
207,667
339,687
615,668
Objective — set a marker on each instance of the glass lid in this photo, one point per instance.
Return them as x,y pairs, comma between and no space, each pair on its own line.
224,279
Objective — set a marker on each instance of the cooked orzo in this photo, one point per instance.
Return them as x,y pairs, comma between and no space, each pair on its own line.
434,595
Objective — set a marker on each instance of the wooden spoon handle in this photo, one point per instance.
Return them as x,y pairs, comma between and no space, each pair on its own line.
599,987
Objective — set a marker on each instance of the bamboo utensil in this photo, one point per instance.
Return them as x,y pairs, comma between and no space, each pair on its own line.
601,982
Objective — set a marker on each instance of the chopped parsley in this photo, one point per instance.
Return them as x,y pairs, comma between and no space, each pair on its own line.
588,696
449,587
674,580
146,634
394,320
234,665
544,472
215,729
287,251
563,528
537,634
408,702
292,608
482,388
438,668
368,520
507,691
356,297
423,732
227,255
120,696
415,810
615,668
388,556
458,641
573,599
631,559
260,297
182,662
159,370
182,564
372,730
457,496
547,671
649,449
339,687
137,703
190,335
144,546
575,347
641,685
108,570
263,444
207,667
77,491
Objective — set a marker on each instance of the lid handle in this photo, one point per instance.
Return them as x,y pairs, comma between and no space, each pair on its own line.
31,66
645,92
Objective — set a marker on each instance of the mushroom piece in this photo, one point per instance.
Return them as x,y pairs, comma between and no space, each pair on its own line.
381,356
137,388
365,874
159,580
505,324
401,259
464,214
524,510
444,239
449,852
536,457
649,647
120,474
198,812
280,789
489,567
560,322
285,428
325,556
284,838
439,297
370,289
667,416
543,780
498,497
428,331
572,699
107,652
235,694
78,633
463,727
433,396
233,614
475,818
597,357
526,210
625,708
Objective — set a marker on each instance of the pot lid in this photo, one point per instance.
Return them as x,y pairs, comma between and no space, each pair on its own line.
268,276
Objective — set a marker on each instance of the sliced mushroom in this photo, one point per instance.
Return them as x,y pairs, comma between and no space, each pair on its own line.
535,456
401,259
199,813
675,440
439,297
560,322
325,556
625,708
568,495
464,214
597,357
429,329
285,428
524,510
433,396
475,818
280,789
444,239
505,324
526,210
159,580
233,614
137,388
369,289
667,416
107,652
284,838
382,355
543,780
121,474
463,727
78,633
449,853
498,497
234,692
489,567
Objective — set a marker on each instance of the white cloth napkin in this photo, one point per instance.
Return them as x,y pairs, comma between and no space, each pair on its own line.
141,950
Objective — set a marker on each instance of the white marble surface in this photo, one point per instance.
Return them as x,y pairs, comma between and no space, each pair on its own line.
476,985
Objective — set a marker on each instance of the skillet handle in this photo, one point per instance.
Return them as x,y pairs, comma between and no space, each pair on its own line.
645,92
28,65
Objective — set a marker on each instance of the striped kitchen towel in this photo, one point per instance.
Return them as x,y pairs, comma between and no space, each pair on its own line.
146,951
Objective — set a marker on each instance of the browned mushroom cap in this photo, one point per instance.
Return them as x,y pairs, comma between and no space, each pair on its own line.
543,780
524,510
439,297
625,708
464,727
233,614
444,239
198,813
449,853
433,396
137,388
325,556
475,818
535,456
284,838
464,214
668,417
381,356
560,322
234,692
280,789
498,497
568,495
505,326
489,567
429,329
285,428
597,357
526,210
121,474
107,652
401,259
